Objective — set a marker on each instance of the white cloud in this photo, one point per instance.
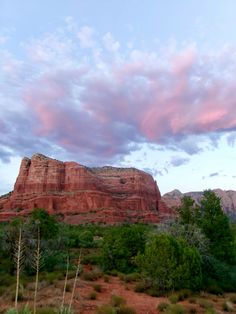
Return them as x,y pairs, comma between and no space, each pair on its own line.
85,36
110,43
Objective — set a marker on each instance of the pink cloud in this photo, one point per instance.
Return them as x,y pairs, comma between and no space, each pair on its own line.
106,108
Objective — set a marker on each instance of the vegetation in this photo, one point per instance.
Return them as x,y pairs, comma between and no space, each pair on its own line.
193,252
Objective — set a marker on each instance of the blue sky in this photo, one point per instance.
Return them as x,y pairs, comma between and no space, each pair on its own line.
149,84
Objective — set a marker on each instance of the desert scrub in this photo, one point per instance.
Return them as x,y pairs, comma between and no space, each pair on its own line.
205,304
105,309
125,309
162,306
92,295
93,275
46,310
232,298
97,288
24,310
117,300
175,309
228,306
174,298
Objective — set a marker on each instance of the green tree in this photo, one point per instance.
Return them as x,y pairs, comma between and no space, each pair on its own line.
121,245
170,263
215,225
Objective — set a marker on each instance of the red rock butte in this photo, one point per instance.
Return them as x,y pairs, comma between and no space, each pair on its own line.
79,194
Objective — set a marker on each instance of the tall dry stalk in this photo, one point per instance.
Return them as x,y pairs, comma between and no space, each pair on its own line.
37,261
75,281
65,283
18,258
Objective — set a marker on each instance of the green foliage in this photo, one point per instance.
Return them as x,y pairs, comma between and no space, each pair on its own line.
105,309
65,310
188,212
171,264
117,300
24,310
120,246
216,227
162,306
175,309
47,223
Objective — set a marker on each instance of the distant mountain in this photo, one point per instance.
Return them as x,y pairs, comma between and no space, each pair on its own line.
228,199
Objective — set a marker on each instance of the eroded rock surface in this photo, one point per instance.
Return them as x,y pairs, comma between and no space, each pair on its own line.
84,195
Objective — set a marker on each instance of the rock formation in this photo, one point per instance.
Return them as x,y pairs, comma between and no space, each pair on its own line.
228,199
79,194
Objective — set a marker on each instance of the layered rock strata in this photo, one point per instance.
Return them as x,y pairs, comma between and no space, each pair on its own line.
79,194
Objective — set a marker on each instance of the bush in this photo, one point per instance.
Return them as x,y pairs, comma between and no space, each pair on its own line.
117,301
162,306
120,246
46,310
228,306
233,298
97,288
124,309
170,264
92,295
105,309
92,275
174,298
175,309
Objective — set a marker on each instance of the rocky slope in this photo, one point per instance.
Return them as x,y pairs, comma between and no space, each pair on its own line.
84,195
228,199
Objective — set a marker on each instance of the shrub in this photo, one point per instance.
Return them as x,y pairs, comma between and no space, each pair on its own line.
46,310
228,306
204,304
117,300
162,306
233,298
105,309
214,289
92,295
174,298
176,265
192,310
120,246
175,309
65,310
24,310
124,309
97,288
92,275
142,286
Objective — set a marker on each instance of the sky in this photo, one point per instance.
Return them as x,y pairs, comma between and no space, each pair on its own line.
147,84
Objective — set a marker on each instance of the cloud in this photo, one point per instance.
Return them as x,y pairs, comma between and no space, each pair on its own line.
110,43
214,174
99,106
85,36
178,161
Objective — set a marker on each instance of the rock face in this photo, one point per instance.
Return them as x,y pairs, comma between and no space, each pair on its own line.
228,199
84,195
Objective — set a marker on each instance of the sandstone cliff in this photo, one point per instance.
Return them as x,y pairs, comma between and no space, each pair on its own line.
79,194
